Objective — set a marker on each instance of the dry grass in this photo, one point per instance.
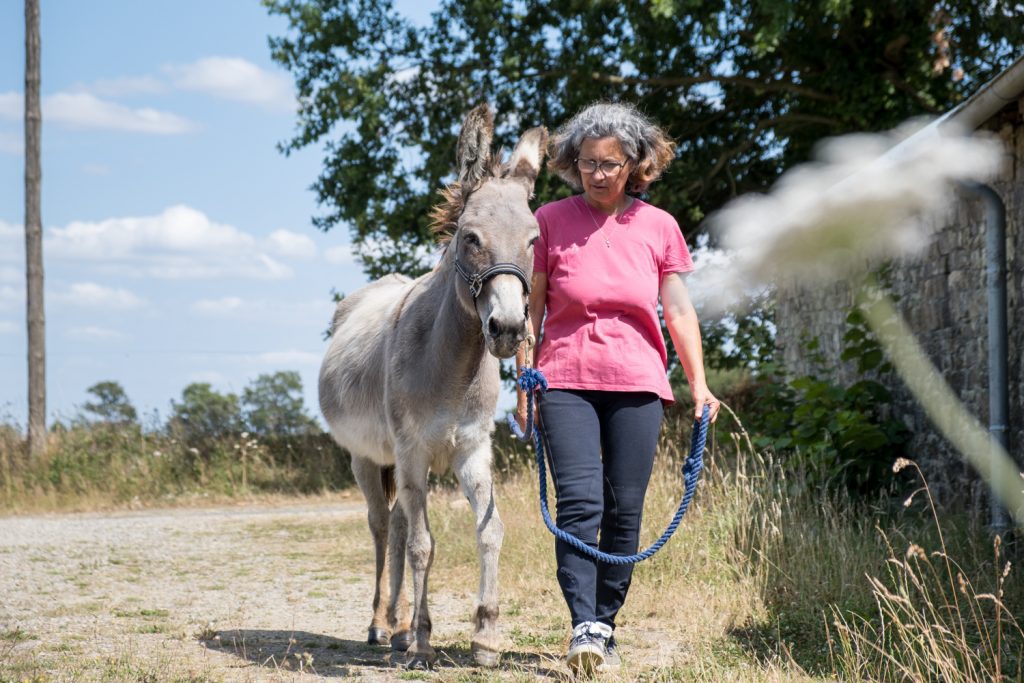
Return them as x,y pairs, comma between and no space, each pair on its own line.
766,580
932,621
98,467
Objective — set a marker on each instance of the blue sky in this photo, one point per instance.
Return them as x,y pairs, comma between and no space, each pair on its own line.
177,240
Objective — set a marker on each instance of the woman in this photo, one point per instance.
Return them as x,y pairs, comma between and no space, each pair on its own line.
601,262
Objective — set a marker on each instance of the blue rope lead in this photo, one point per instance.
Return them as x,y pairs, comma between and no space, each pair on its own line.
530,380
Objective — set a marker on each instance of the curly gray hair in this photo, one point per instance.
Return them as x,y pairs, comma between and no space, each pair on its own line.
646,145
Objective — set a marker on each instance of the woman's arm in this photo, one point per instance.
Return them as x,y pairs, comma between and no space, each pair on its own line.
524,355
683,327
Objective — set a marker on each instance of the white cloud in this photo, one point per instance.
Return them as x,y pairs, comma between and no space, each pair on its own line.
92,294
8,327
12,143
96,169
84,110
127,85
10,230
282,359
11,297
218,307
179,243
9,274
90,333
233,78
340,256
11,106
290,244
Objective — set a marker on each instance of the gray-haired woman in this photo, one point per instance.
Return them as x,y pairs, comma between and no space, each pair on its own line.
603,259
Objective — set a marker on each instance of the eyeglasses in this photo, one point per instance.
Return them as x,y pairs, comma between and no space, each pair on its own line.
608,168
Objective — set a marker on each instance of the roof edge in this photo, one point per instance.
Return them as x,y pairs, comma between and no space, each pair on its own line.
1006,87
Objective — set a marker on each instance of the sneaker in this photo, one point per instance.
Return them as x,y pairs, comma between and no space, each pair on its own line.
586,649
612,661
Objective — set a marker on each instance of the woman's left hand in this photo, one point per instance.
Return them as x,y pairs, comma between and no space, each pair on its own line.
702,396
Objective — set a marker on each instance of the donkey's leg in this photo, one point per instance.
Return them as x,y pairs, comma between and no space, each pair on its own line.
411,471
368,476
474,472
398,607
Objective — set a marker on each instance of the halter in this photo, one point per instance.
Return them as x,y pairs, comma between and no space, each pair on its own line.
476,281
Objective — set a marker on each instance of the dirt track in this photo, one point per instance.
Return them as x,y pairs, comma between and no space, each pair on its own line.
240,593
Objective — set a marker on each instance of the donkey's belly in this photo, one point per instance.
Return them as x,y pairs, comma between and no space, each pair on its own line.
364,436
352,374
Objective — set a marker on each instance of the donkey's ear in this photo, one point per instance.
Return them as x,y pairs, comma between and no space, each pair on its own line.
474,151
528,156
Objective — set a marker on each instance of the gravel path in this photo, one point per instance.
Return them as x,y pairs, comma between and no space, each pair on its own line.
240,593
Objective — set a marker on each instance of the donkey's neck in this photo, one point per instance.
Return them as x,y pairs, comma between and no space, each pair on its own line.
456,339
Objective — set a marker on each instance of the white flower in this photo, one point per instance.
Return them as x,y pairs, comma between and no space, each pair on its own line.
865,198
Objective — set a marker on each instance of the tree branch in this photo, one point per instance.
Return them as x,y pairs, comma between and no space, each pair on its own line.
762,125
742,81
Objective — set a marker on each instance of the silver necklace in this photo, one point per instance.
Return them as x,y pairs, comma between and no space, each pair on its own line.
604,235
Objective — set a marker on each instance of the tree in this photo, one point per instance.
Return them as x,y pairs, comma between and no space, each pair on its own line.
746,86
273,406
111,404
204,414
36,319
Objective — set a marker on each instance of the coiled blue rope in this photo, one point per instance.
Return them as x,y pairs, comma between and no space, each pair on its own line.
530,380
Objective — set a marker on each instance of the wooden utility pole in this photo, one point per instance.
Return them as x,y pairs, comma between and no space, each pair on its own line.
34,238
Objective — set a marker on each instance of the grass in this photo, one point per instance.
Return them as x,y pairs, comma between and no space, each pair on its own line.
103,466
767,579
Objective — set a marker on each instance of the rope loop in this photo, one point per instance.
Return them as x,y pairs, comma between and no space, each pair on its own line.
532,379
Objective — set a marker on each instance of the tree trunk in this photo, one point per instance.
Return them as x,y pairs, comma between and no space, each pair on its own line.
34,238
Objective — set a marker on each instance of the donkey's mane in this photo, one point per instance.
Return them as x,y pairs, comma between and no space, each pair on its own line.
444,217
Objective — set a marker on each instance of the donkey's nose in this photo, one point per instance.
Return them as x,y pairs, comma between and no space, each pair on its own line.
505,334
503,328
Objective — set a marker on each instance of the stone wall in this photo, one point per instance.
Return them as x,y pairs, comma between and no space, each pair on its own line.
942,295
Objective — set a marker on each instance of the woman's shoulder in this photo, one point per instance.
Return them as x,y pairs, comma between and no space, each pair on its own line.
653,217
558,206
642,210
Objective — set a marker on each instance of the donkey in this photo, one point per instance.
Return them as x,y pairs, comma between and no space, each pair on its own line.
410,382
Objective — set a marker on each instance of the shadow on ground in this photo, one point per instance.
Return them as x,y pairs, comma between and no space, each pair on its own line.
783,642
336,657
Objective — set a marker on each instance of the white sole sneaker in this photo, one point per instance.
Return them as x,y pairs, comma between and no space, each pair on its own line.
585,659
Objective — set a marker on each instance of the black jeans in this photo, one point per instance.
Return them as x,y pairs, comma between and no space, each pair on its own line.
600,447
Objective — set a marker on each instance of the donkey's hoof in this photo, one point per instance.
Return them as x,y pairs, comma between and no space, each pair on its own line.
420,661
402,641
377,636
485,656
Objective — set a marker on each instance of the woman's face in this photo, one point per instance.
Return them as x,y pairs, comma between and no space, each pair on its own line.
602,187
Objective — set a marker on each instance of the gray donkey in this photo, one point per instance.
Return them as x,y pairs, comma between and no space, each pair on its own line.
410,381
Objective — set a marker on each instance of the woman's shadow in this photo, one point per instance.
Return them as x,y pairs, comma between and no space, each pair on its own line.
337,657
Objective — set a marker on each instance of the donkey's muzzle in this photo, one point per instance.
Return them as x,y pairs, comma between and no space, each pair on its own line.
504,336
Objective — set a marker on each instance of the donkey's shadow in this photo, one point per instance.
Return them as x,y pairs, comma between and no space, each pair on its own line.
337,657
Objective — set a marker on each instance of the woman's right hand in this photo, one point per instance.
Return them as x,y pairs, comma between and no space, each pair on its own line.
521,412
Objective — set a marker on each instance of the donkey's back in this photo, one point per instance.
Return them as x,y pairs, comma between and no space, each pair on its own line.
352,374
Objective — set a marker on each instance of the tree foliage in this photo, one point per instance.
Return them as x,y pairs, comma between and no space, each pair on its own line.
746,87
110,404
273,406
204,414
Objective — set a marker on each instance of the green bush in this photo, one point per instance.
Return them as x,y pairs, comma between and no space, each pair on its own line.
839,436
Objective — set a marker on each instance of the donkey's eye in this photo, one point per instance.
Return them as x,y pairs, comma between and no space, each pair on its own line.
533,241
471,239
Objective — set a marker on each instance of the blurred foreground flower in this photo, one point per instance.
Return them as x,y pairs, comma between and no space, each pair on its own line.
865,198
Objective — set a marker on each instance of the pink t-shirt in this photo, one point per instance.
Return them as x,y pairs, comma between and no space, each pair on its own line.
601,329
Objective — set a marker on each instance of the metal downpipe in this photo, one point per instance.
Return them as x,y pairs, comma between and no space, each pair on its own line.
998,387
